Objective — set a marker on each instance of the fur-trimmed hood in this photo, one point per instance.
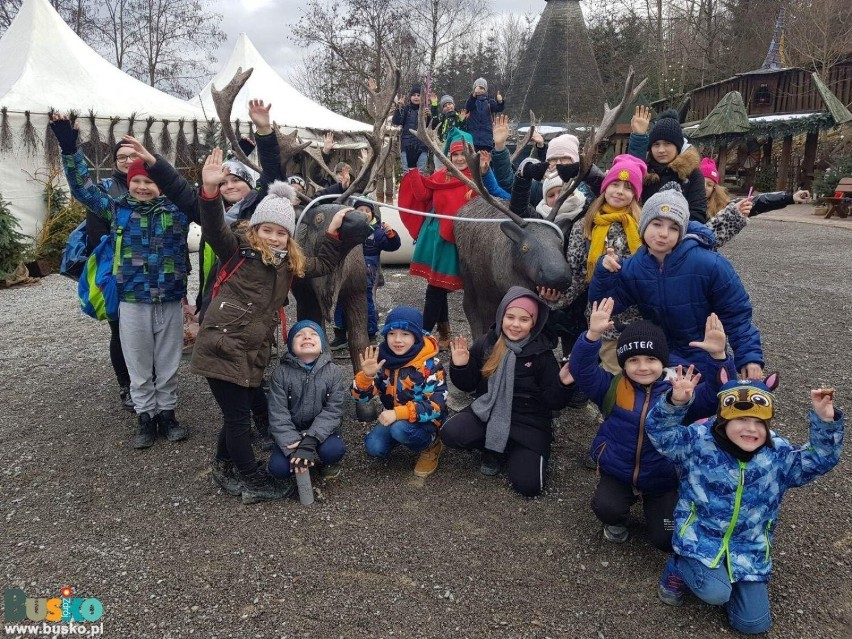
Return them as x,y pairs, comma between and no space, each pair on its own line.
683,166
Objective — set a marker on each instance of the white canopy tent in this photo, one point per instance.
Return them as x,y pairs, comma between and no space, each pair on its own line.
290,109
45,66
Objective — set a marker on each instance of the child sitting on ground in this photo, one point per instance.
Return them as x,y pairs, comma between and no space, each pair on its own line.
306,399
734,471
409,380
676,281
383,238
479,109
629,466
517,379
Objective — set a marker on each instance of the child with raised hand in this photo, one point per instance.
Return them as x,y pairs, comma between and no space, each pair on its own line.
676,281
234,343
149,231
734,472
629,467
306,398
479,110
518,383
669,159
406,374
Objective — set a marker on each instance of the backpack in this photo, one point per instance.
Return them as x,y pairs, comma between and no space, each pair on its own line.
76,253
97,288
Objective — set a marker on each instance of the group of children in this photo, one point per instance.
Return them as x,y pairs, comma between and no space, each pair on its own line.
680,431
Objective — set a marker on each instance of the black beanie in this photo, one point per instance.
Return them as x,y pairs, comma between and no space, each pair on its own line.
642,338
415,88
667,128
116,148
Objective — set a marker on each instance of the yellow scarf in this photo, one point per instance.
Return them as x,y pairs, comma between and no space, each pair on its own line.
600,228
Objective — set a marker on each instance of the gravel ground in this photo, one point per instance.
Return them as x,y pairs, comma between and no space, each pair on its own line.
382,554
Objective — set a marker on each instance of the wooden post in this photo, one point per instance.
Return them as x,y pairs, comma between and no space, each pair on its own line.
784,165
722,162
807,177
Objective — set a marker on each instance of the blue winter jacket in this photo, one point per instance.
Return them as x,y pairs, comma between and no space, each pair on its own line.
479,125
678,295
379,241
153,247
622,432
728,508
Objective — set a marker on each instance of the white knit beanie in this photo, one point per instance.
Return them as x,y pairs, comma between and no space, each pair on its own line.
480,82
277,207
565,145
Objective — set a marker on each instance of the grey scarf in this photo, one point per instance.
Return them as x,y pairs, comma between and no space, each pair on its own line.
495,407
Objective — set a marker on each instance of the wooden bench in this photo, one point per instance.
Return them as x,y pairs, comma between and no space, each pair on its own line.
840,206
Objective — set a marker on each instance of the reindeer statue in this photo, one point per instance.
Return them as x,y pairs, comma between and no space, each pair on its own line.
517,251
316,297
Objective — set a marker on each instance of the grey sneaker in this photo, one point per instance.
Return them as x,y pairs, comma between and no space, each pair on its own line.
146,432
170,427
671,587
260,486
224,476
330,471
615,534
490,463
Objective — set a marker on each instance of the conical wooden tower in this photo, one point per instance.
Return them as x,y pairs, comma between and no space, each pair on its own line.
558,76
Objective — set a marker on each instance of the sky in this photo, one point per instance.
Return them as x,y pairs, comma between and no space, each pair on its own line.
266,22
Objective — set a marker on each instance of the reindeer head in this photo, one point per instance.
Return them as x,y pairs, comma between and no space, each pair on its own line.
537,254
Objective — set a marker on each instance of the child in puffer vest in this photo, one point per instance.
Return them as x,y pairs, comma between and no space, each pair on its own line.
734,472
480,108
629,467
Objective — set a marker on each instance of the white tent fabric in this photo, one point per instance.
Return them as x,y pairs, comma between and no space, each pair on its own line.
46,65
290,109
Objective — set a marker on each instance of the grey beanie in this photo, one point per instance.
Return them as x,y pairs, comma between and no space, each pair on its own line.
277,208
239,170
481,82
447,99
667,203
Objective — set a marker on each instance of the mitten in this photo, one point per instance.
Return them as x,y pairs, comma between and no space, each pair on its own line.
568,171
533,169
246,145
66,135
307,449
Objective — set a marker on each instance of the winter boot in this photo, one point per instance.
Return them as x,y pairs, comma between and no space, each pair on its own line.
146,432
339,342
427,463
264,439
170,428
489,463
444,335
260,486
671,587
126,399
224,476
615,534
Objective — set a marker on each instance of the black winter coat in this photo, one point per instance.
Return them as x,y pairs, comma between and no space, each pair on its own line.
537,391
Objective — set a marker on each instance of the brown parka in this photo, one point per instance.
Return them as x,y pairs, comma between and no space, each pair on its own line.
234,342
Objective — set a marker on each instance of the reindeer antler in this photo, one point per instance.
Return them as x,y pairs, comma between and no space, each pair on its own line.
375,138
590,150
527,138
224,102
428,138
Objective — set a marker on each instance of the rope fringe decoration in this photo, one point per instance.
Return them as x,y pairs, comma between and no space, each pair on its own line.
5,132
165,140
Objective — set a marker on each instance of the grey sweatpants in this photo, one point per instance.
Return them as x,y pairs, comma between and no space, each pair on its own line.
152,340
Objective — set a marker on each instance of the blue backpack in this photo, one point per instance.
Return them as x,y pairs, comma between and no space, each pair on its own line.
76,253
97,288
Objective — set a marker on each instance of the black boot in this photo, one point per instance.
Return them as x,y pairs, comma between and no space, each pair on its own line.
170,428
264,439
260,486
126,399
339,342
224,476
146,432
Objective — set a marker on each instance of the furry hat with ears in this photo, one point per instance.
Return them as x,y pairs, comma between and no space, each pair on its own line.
746,398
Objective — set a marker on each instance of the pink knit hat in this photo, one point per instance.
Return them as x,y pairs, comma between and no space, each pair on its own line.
627,169
565,145
527,304
708,168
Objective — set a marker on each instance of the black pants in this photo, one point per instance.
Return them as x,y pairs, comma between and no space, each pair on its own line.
116,356
435,307
237,404
612,501
525,468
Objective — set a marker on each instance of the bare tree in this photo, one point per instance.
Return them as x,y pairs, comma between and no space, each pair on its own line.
512,34
819,32
115,31
437,24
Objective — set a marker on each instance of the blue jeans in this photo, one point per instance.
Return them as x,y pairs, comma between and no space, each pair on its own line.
372,318
329,452
422,159
747,601
380,441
